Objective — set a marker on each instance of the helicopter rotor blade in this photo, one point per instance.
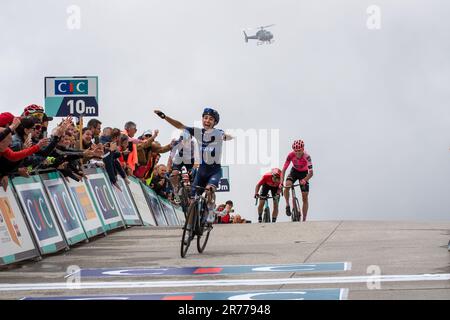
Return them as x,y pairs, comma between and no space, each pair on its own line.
271,25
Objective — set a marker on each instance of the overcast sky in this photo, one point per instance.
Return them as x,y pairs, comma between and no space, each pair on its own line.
371,105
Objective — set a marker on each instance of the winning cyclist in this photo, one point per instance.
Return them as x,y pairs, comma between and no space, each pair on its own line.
302,169
270,181
210,142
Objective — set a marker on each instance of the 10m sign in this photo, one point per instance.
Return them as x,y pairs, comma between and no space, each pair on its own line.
79,107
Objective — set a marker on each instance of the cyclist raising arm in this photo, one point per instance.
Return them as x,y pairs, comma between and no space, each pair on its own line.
210,142
270,181
302,169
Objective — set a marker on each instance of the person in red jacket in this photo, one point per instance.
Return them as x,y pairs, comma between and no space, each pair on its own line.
8,157
270,182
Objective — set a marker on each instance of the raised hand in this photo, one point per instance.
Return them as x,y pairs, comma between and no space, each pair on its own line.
43,143
160,114
15,123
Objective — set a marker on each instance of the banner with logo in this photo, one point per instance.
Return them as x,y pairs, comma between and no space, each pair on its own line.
84,205
169,212
76,96
104,202
126,204
16,243
136,189
180,215
39,213
155,206
63,207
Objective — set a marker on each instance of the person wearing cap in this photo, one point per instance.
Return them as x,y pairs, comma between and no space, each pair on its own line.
9,122
148,152
45,120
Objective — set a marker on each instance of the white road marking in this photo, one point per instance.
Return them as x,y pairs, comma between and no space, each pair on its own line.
220,283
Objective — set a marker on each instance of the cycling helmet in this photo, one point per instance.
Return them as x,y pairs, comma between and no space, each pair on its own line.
213,113
276,172
33,110
298,145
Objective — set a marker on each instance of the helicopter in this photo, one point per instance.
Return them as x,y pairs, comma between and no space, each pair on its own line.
263,36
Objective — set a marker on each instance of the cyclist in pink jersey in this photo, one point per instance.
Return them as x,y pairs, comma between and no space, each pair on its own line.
302,170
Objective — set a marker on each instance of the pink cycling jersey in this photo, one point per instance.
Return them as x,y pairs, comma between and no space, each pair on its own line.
300,164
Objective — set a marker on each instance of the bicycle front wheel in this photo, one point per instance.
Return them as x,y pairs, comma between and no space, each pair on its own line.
267,215
188,230
203,236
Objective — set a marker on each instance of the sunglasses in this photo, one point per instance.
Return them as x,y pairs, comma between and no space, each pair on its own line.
37,127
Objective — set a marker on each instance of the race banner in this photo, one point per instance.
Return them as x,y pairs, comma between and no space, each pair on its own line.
136,189
63,207
104,202
16,243
155,206
180,214
76,96
84,205
41,218
126,204
169,212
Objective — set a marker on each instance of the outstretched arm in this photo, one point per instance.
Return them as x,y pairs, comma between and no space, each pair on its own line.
177,124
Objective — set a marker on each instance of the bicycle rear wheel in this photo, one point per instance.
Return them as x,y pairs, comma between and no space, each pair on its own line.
188,230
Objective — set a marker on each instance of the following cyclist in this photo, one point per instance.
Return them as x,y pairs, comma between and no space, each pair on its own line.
270,181
184,153
210,142
302,169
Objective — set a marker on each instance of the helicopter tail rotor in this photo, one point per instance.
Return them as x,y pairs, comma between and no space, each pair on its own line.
246,37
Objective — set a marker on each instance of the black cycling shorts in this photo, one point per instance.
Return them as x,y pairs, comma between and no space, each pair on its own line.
265,190
295,175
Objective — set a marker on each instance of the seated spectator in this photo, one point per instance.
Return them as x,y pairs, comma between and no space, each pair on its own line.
223,215
238,219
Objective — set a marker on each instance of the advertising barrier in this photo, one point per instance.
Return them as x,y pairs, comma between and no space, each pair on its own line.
84,205
104,202
35,204
169,212
140,200
63,207
180,214
126,204
16,243
155,206
46,213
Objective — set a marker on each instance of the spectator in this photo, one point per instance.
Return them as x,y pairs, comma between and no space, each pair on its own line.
160,183
149,151
132,157
96,128
224,215
87,138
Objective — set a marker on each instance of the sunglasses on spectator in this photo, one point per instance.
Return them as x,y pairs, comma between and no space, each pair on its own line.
37,127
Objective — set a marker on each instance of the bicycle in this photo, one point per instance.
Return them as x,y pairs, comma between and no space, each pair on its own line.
296,213
266,212
196,223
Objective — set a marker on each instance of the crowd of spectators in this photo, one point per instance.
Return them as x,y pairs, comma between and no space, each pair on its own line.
27,147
